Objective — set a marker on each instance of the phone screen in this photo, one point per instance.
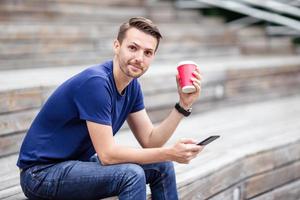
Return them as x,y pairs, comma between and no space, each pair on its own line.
208,140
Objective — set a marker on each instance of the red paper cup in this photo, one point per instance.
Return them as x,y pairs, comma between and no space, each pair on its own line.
185,71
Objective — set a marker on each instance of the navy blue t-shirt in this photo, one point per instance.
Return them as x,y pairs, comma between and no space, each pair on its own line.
59,132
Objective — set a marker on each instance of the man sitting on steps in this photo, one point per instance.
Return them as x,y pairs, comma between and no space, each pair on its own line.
57,159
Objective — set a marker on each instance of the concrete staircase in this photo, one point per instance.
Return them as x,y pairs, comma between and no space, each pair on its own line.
36,34
58,33
42,43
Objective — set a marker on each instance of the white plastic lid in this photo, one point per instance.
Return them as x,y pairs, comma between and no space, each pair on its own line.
186,62
188,89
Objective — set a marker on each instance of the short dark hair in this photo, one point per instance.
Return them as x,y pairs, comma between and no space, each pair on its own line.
143,24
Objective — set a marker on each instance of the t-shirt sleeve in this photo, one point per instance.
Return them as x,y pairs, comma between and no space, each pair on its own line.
139,101
93,101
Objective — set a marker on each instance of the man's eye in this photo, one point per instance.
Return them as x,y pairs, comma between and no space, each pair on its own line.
132,47
148,53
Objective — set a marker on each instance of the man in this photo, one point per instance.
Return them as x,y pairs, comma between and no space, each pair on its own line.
81,117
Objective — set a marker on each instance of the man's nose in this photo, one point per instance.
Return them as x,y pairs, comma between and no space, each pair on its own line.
139,56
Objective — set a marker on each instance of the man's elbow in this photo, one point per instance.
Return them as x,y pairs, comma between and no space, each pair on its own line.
107,159
151,143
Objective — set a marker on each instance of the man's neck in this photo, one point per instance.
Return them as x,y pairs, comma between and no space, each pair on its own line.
121,79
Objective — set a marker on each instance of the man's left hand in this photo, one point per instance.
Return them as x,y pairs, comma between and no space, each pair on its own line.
186,100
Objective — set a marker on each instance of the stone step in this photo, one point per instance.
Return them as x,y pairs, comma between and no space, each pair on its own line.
197,33
250,32
83,2
4,194
198,53
8,165
207,22
9,180
31,60
54,11
191,16
63,39
194,50
288,191
102,2
253,40
251,131
265,182
271,45
16,43
11,143
240,156
158,11
34,44
161,11
14,51
222,87
54,60
45,32
38,81
16,122
69,50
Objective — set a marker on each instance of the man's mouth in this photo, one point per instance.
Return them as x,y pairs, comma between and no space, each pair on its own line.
136,66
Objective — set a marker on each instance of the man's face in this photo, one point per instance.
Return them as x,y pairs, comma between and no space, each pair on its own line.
135,53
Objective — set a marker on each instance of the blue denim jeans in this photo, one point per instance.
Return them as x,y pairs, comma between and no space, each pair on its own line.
91,180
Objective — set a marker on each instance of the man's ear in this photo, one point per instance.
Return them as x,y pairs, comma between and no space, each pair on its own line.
116,46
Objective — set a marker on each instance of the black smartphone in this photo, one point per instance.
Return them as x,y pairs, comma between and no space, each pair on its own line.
208,140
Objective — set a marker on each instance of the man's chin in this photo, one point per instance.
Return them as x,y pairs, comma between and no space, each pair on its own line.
134,75
135,72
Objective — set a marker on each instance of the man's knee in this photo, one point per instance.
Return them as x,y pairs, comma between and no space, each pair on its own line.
166,168
135,173
133,182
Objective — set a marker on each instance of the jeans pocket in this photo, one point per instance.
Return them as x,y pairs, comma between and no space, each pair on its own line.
36,185
40,191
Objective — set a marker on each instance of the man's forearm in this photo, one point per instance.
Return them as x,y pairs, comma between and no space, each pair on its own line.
161,133
121,154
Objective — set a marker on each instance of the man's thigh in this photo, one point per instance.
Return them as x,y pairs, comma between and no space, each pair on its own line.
75,180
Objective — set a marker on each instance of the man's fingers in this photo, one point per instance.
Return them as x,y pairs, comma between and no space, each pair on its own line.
196,81
188,141
197,75
197,86
193,147
199,71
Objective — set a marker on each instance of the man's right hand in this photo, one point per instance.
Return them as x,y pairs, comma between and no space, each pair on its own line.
185,150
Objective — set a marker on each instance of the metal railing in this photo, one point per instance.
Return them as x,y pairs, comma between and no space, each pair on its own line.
281,12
